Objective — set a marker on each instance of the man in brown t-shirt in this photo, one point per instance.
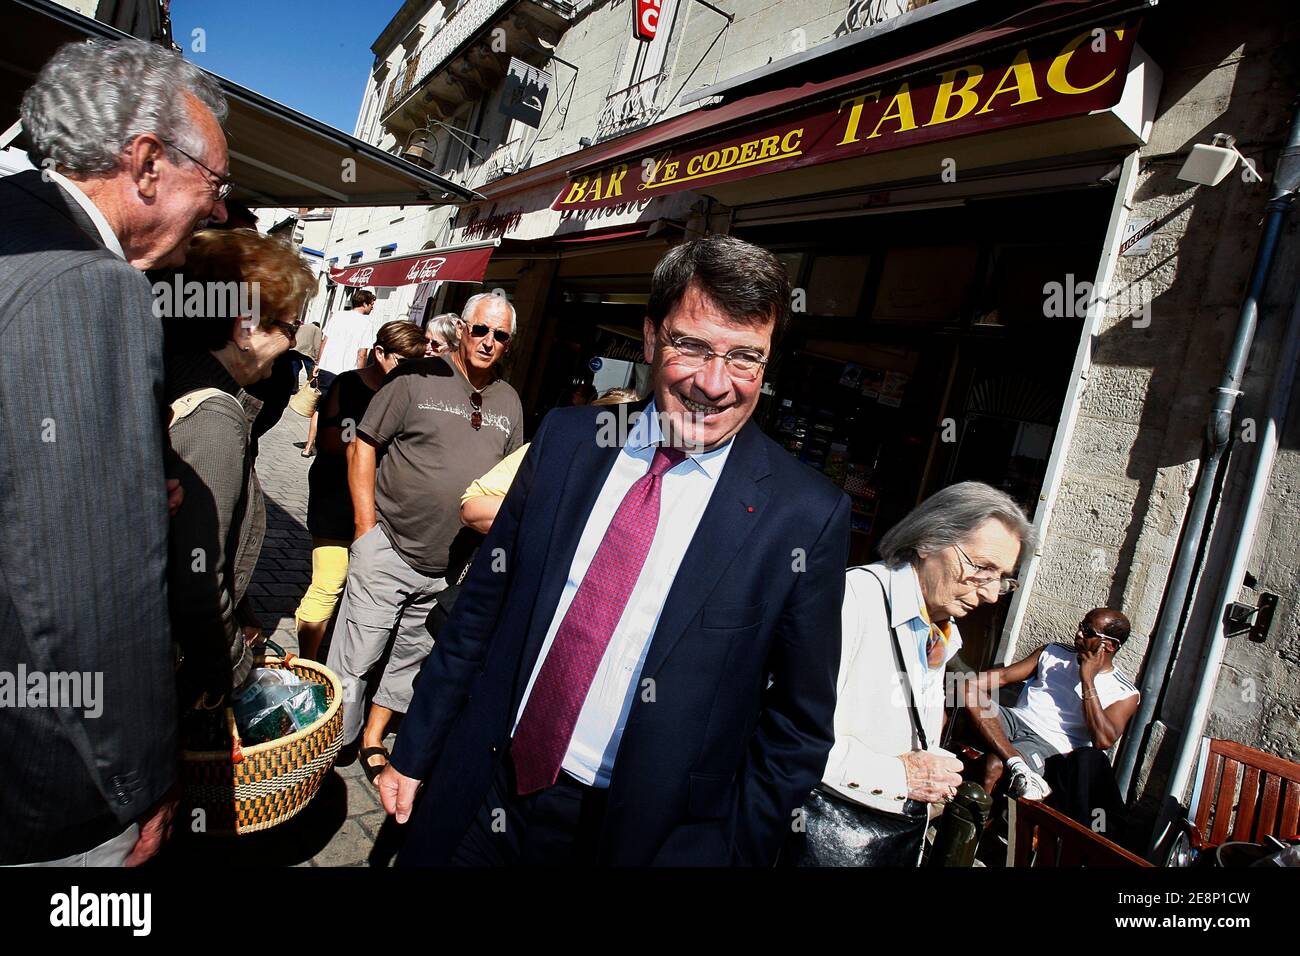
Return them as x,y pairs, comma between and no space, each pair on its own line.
439,423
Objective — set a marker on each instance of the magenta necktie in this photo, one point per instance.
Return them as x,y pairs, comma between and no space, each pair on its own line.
542,738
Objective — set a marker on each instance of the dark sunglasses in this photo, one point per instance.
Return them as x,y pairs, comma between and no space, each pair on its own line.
288,328
1087,630
476,399
479,330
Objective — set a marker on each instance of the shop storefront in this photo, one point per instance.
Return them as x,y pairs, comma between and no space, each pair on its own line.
922,354
942,228
943,216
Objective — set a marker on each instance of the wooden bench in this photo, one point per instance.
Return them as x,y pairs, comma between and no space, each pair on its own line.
1242,794
1039,836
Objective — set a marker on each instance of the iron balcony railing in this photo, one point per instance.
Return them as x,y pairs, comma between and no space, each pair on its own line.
465,22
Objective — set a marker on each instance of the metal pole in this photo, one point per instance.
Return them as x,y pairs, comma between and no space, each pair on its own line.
1242,534
731,17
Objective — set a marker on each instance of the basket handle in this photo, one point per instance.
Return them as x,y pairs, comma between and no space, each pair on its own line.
280,652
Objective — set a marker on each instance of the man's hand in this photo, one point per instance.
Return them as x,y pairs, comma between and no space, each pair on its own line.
155,828
931,777
1090,662
362,526
397,793
175,496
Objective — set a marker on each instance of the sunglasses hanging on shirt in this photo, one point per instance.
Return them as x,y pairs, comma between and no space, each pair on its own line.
476,420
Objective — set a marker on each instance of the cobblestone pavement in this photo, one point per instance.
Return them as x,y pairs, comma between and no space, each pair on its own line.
345,824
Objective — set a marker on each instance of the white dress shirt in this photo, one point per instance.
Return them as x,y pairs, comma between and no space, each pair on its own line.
685,492
873,727
81,199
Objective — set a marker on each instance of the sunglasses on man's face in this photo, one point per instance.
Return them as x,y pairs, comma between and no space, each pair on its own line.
478,330
1088,631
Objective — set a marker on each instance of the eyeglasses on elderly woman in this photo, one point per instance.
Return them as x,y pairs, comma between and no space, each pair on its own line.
982,575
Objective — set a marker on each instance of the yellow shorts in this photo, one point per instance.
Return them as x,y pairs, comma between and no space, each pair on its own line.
329,573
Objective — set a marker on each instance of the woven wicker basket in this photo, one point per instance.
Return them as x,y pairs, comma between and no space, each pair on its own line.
305,400
247,789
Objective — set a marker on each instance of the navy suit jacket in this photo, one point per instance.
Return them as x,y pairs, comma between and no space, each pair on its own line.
744,658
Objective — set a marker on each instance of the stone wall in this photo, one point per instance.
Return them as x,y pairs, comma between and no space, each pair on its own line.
1133,459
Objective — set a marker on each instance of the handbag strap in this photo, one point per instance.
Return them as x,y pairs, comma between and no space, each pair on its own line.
189,403
902,664
464,572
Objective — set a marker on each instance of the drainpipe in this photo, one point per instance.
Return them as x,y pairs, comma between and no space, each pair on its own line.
1243,534
1180,588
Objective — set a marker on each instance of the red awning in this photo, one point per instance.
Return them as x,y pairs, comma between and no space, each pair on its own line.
466,263
592,242
636,232
1029,42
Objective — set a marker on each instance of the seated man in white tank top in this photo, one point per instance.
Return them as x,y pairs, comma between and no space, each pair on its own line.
1070,698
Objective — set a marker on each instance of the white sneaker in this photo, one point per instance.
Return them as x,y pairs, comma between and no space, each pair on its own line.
1025,784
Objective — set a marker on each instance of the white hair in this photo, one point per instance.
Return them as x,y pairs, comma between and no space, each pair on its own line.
948,516
93,98
444,326
474,300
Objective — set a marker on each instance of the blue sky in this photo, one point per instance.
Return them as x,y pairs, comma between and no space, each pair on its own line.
313,55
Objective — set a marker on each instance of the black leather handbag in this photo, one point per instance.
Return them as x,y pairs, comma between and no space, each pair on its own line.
839,832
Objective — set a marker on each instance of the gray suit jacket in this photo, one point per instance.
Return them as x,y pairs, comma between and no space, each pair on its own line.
83,534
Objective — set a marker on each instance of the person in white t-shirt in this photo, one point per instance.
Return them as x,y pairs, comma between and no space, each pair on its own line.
348,336
1071,698
344,347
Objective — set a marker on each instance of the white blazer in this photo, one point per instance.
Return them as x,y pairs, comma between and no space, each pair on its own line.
873,727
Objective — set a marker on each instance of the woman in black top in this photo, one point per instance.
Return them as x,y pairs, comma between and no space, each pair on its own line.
216,534
329,503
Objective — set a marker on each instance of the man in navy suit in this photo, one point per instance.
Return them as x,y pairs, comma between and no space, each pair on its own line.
641,667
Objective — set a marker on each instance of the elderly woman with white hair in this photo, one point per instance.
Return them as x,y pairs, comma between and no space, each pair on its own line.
442,334
950,554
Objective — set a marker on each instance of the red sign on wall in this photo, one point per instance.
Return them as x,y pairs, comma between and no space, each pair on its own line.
646,22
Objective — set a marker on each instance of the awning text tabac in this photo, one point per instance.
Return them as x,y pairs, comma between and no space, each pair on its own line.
1043,80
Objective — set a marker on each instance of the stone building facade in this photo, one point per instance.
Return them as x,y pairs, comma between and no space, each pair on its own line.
443,61
1158,353
1126,444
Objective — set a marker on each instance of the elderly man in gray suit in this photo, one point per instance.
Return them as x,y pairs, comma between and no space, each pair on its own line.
131,161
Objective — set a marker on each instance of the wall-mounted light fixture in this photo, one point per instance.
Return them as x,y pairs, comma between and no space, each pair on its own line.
1209,165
